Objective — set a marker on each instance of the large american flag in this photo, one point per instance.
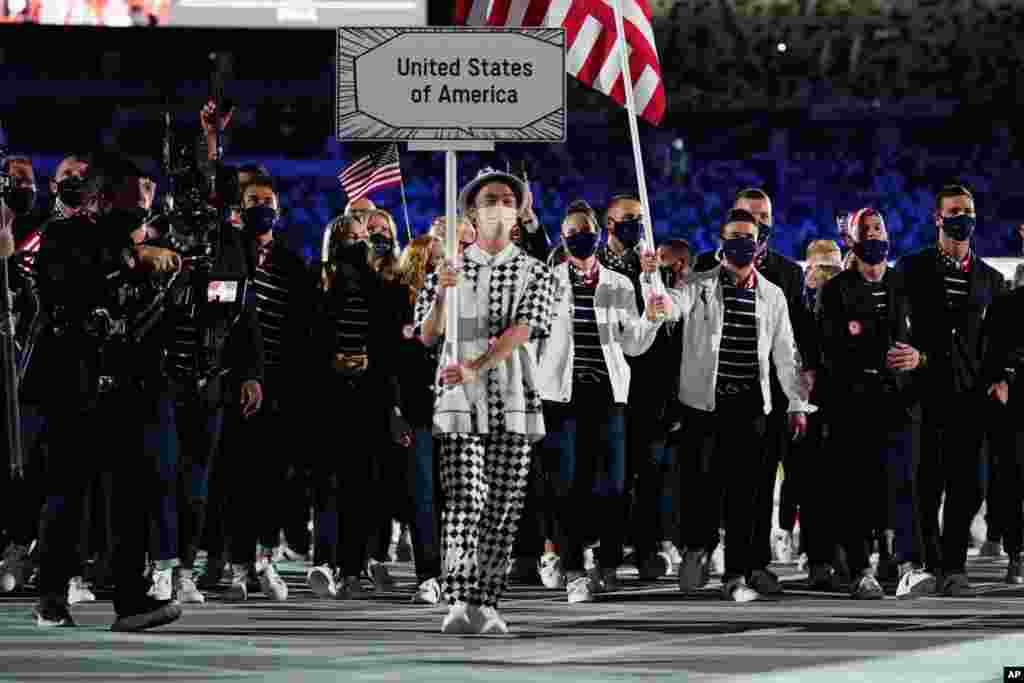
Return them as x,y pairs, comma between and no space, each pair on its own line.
372,172
590,36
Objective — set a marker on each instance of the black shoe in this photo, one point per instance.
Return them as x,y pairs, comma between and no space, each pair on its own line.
148,613
765,582
1014,575
957,586
52,614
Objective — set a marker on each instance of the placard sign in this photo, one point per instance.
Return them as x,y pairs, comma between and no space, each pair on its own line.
445,84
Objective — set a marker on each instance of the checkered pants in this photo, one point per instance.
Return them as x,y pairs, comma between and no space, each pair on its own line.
484,480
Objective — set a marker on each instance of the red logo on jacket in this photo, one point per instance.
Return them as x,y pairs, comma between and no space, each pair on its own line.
856,328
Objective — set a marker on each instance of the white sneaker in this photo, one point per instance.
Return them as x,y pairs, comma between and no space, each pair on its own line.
674,555
271,582
915,583
185,588
588,559
14,568
163,586
492,623
428,593
582,589
737,590
79,592
321,581
459,620
239,590
550,569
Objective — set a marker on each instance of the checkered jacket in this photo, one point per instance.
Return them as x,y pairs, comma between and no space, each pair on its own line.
622,329
494,293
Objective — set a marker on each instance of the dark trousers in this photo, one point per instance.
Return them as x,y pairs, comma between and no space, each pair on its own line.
585,450
777,442
350,501
425,517
653,516
952,430
804,490
720,462
1007,445
21,498
260,453
199,434
120,435
874,439
535,525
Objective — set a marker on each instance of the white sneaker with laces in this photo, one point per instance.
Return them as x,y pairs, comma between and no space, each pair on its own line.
915,583
492,623
79,592
271,582
162,587
674,555
428,593
737,590
588,559
185,588
459,620
321,581
239,590
550,569
716,565
783,546
581,590
382,580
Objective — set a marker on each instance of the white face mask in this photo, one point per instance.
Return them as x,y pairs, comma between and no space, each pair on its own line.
496,222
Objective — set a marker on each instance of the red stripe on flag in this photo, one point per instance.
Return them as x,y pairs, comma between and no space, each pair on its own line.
499,12
536,12
462,10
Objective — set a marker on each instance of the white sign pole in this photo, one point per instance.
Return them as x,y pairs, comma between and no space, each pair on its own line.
634,134
451,179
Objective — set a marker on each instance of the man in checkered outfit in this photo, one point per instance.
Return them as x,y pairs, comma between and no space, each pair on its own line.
488,411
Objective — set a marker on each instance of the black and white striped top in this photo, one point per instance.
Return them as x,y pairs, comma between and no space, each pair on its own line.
737,356
588,365
956,288
272,303
879,298
353,325
181,355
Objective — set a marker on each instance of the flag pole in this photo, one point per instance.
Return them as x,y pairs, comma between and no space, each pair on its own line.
451,180
634,134
405,206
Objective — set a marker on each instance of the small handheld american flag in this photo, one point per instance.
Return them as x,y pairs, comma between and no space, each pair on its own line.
372,172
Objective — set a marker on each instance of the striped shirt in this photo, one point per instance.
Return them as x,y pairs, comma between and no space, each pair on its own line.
272,298
955,280
352,325
737,356
588,365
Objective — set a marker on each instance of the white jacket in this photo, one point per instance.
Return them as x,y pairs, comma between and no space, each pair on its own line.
698,301
622,328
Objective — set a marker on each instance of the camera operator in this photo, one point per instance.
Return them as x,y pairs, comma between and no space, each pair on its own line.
209,344
102,394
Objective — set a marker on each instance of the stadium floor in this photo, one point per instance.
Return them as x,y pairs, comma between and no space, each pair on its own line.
645,632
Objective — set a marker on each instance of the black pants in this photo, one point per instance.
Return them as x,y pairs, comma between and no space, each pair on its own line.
200,426
535,525
351,505
654,465
806,490
120,435
952,430
1007,445
21,498
777,449
721,460
267,489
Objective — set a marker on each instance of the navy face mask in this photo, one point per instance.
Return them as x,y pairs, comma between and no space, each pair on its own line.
739,251
259,220
628,232
20,200
582,245
381,245
872,252
959,228
71,191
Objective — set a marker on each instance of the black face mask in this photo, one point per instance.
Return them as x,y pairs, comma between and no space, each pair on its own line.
259,220
628,232
71,191
382,246
356,254
20,200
